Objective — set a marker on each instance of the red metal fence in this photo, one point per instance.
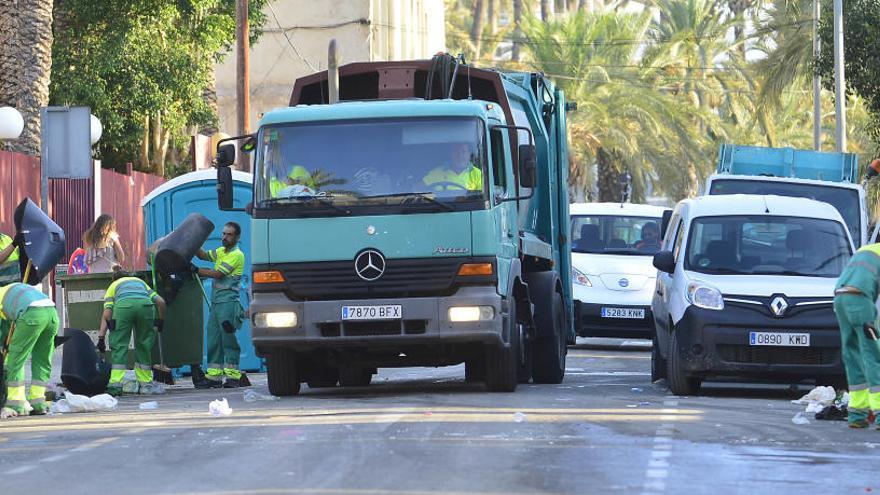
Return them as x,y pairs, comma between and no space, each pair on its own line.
72,204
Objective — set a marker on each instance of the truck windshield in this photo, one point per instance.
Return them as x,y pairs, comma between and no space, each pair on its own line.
615,234
844,199
767,245
419,164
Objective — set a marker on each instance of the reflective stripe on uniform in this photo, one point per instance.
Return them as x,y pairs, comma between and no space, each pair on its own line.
119,367
116,375
859,400
143,375
856,388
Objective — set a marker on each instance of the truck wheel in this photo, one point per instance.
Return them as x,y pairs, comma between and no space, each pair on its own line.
281,373
549,351
355,376
680,383
502,362
658,364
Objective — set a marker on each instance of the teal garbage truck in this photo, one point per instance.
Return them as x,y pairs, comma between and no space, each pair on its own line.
410,213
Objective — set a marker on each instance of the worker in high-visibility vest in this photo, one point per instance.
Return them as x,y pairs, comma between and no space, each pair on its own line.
297,175
460,174
10,272
227,314
36,323
855,297
131,305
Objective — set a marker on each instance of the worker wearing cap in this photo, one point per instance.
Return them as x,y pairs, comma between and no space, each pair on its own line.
226,315
855,296
297,175
460,174
131,305
36,323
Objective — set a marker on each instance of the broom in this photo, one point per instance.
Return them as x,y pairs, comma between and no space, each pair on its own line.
243,381
5,351
161,373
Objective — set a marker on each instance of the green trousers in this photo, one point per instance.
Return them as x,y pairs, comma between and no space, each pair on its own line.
132,315
861,355
223,349
34,336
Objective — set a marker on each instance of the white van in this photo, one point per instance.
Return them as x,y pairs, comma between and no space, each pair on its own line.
612,275
745,288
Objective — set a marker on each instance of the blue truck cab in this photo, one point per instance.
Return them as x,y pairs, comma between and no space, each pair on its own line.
422,220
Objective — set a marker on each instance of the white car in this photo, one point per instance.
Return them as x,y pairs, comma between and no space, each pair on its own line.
612,276
745,288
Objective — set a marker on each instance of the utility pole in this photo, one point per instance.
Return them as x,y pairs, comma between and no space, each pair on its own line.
839,78
242,68
817,82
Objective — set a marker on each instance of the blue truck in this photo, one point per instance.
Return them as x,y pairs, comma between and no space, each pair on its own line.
410,213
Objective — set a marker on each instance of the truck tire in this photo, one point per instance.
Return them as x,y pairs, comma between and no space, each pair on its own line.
658,364
355,376
502,362
281,373
680,383
549,351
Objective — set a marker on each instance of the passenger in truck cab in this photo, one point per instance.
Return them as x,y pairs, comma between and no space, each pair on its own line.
459,173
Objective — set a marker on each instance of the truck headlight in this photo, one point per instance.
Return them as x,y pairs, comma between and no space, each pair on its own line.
705,296
275,320
471,313
578,278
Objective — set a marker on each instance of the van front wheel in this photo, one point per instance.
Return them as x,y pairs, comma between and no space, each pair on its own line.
680,383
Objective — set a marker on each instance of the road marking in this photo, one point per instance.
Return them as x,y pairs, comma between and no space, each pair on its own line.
20,470
658,466
350,491
54,458
95,444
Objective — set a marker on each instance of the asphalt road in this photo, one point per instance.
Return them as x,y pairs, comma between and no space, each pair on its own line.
605,429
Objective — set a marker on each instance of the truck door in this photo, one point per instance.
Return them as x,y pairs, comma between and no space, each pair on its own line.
502,187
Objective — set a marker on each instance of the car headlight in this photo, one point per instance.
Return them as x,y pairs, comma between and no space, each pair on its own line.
704,296
275,320
578,278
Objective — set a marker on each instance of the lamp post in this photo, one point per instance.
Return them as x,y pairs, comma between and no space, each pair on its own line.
11,123
95,129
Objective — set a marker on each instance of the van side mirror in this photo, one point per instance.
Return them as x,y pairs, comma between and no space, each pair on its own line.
527,165
664,223
664,261
225,155
224,187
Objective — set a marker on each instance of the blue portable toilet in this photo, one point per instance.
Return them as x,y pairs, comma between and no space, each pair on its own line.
196,192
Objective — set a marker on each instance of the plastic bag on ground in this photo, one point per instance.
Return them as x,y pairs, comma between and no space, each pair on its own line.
219,408
823,395
251,395
799,419
72,403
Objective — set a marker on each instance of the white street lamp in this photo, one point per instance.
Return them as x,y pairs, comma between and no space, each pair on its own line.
11,123
95,129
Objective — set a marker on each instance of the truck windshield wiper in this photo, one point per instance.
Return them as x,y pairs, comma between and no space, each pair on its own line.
409,196
322,200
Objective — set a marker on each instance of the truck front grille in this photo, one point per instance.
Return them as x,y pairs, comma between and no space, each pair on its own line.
777,355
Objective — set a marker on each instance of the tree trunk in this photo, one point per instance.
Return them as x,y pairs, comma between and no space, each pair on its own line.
159,146
145,145
209,94
477,28
608,177
26,65
492,14
546,11
738,8
517,31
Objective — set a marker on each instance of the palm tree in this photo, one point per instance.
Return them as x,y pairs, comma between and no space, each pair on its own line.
26,63
786,39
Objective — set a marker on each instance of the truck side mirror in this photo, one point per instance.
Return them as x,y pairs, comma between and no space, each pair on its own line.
664,223
224,186
527,165
664,261
225,156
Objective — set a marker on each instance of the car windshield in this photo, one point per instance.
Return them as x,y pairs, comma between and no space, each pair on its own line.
419,164
615,234
846,200
771,245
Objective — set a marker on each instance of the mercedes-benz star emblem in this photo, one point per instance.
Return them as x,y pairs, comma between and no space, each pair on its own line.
778,305
371,230
369,265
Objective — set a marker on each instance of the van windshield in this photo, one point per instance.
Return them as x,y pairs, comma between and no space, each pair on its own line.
846,200
767,245
615,234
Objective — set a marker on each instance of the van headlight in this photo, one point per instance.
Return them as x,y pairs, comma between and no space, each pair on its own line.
705,296
275,320
578,278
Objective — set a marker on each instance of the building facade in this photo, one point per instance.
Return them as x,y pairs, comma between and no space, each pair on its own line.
297,34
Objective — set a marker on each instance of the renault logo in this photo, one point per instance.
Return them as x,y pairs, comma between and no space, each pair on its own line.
369,265
778,305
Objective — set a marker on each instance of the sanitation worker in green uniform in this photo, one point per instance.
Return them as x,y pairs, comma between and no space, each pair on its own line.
227,314
9,271
855,296
36,323
459,174
131,305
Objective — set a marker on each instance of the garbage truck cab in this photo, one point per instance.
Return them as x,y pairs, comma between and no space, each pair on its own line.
420,221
